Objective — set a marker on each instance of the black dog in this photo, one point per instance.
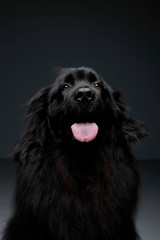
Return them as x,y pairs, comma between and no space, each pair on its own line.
76,176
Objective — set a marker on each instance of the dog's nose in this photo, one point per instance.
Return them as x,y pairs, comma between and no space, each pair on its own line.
84,94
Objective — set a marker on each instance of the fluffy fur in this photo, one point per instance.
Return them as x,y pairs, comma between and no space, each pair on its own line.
66,189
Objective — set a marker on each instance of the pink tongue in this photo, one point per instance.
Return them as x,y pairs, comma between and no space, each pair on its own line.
84,132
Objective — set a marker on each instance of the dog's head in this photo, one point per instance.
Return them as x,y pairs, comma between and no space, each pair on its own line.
83,100
81,106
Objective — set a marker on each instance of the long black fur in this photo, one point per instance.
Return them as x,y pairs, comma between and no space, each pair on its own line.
69,190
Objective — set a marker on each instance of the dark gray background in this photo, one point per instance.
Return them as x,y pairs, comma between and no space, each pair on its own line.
121,42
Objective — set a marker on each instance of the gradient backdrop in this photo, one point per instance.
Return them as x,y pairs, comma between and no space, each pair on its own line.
121,42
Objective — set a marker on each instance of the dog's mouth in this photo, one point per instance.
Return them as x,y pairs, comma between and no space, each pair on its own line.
84,132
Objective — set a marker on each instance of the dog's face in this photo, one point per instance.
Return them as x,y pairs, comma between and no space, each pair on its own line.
81,106
83,103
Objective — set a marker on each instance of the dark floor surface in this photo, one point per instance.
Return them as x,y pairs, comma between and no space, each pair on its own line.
148,217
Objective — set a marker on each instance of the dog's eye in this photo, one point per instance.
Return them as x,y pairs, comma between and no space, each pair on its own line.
97,86
65,87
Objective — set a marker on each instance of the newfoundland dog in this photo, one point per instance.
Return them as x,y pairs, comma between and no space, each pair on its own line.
76,176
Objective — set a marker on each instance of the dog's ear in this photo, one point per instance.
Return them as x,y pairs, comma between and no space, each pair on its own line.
36,131
38,104
38,114
132,130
